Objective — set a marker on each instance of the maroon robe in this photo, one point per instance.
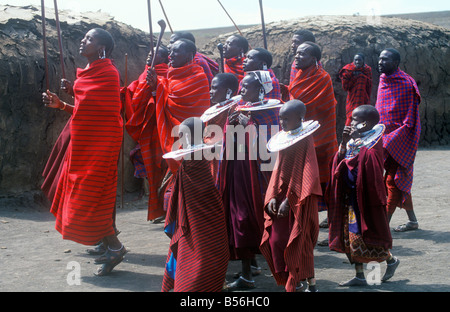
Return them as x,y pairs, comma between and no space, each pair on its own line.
371,198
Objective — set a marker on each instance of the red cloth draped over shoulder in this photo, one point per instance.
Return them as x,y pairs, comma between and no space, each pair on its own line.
358,87
85,198
295,177
313,87
234,65
184,93
199,242
53,168
371,197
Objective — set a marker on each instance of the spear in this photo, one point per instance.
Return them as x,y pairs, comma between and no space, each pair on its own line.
231,18
58,27
263,24
164,12
44,45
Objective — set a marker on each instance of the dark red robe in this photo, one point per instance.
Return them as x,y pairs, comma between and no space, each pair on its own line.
288,242
371,198
195,221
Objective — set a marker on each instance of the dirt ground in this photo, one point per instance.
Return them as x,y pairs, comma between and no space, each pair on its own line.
34,258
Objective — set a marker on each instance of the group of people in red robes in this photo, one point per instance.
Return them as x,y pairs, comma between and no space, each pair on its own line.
238,204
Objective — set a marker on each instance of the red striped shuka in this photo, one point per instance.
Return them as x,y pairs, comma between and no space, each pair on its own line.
234,65
288,242
198,255
314,87
84,202
184,93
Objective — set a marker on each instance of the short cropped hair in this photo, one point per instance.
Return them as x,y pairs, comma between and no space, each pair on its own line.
229,80
306,35
395,54
105,38
264,56
315,51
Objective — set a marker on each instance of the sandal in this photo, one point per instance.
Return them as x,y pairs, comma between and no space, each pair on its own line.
241,284
113,259
99,249
390,270
106,256
409,226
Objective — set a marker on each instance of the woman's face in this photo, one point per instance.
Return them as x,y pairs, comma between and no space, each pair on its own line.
90,47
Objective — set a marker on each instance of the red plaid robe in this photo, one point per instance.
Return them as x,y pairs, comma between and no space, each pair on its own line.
210,67
398,102
358,87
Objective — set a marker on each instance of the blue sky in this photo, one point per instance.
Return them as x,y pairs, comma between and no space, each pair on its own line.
197,14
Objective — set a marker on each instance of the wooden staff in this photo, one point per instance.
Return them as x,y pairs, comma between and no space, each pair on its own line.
220,47
122,161
150,24
162,24
263,24
58,28
164,12
47,83
230,18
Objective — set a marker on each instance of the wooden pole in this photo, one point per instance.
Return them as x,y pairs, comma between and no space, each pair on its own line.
165,15
58,28
44,40
263,24
231,18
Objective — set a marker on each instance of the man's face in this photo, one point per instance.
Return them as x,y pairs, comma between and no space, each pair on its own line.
358,61
386,63
252,62
303,57
296,41
231,48
178,56
218,92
